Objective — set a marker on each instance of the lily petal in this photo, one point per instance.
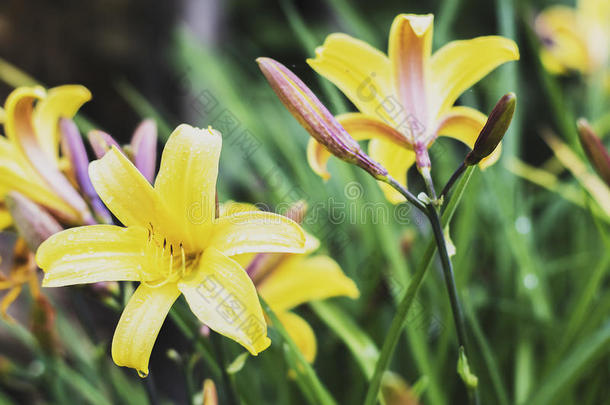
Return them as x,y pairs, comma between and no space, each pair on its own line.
20,130
144,148
460,64
222,296
360,127
17,174
359,70
257,231
301,279
409,50
139,325
397,161
301,334
465,124
127,193
60,102
563,44
90,254
187,180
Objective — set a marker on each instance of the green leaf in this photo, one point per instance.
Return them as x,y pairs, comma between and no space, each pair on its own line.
238,363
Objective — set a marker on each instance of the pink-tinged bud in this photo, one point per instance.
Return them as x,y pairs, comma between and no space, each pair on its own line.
101,142
596,151
144,148
210,397
492,133
77,154
33,223
297,211
315,117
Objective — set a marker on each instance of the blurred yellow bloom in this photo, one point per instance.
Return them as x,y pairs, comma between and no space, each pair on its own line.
22,270
286,281
172,245
29,154
575,38
407,95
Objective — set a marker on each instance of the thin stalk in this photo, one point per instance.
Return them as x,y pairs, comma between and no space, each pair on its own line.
402,311
406,193
456,175
458,315
394,333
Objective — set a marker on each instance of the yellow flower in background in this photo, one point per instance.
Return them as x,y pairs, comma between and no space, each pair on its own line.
575,38
29,154
21,271
286,281
406,98
172,245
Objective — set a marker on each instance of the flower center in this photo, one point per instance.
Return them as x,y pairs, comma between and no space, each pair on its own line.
167,262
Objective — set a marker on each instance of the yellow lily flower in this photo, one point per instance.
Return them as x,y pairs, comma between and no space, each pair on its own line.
22,270
575,38
406,98
172,245
286,281
29,154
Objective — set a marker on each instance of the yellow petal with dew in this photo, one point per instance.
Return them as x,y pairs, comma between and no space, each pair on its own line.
397,161
465,124
409,50
360,71
301,334
458,65
222,296
187,181
128,194
60,102
300,279
257,231
139,325
90,254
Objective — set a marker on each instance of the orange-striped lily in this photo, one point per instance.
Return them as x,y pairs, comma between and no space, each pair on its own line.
575,38
286,281
173,244
29,154
406,98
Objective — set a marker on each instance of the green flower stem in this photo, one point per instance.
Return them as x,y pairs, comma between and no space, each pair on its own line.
458,315
402,311
454,177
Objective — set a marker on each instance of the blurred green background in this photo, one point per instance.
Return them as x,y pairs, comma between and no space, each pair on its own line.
531,267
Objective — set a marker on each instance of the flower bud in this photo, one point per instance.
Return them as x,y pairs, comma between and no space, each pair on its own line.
77,154
210,397
144,148
492,133
315,117
101,142
33,223
596,151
